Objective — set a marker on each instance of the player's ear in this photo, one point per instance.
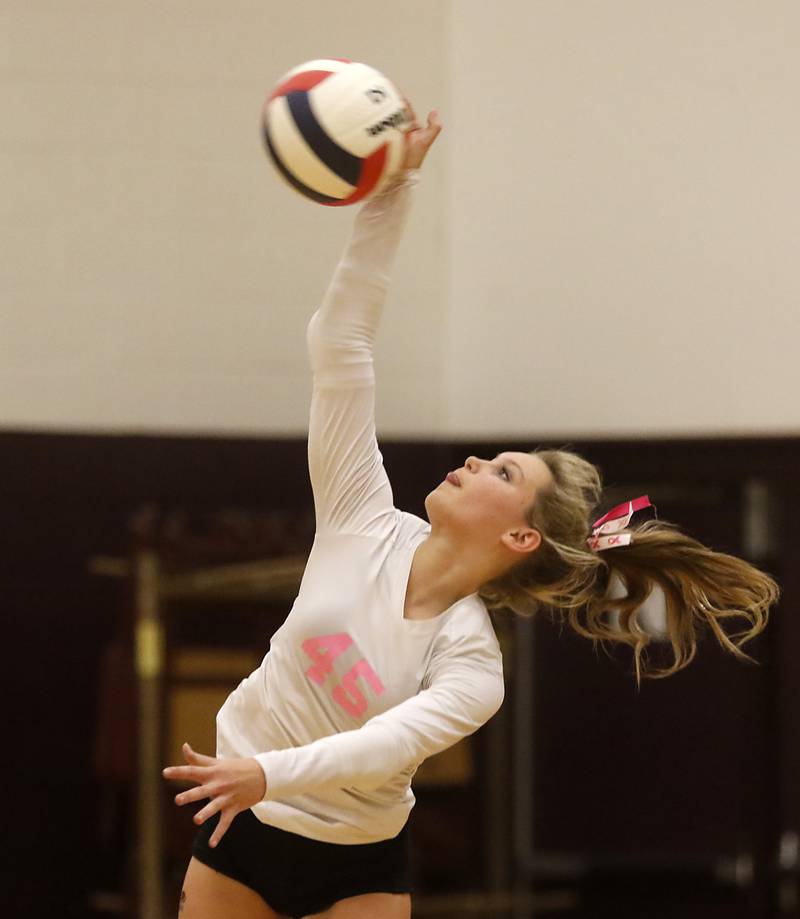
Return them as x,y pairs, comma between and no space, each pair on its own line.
522,540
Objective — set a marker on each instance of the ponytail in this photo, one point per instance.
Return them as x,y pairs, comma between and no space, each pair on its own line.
703,590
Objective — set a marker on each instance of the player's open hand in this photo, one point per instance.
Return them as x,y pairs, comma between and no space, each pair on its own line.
231,785
418,139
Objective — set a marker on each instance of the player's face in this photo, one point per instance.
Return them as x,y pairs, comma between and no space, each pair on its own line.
494,494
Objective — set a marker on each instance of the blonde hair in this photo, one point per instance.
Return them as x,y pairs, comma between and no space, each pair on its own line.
702,588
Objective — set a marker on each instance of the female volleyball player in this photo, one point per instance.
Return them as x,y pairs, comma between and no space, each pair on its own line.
388,654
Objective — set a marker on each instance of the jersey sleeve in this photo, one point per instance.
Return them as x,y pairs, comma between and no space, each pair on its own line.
464,690
351,490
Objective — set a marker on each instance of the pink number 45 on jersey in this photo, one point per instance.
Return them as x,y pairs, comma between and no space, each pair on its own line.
323,650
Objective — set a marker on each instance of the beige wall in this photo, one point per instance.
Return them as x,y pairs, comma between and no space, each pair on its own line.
160,275
624,227
613,175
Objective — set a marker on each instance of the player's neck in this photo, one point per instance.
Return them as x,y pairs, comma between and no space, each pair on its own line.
443,573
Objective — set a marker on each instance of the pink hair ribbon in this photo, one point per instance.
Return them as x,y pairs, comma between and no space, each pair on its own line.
606,529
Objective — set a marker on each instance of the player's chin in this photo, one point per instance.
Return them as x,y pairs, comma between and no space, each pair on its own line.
446,506
433,496
438,500
445,490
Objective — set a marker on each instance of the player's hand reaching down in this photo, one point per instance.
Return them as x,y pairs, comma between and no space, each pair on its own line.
231,785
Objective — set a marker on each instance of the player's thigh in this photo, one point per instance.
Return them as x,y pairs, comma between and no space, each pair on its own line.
207,894
369,906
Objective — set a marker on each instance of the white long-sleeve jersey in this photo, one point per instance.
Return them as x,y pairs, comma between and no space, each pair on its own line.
351,696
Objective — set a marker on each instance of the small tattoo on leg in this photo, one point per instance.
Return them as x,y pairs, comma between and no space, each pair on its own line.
183,901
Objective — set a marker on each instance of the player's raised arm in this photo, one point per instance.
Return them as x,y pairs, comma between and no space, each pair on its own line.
351,490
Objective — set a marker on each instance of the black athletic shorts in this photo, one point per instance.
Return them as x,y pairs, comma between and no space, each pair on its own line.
298,876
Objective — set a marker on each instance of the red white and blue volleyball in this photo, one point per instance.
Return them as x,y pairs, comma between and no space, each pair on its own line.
336,130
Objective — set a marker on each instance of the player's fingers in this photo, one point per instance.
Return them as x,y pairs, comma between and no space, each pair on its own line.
200,758
213,807
427,135
225,820
193,794
413,124
434,124
196,774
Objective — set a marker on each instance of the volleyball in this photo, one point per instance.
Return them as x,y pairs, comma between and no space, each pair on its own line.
335,130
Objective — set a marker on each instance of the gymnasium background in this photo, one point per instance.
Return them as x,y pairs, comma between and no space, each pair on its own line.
601,253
